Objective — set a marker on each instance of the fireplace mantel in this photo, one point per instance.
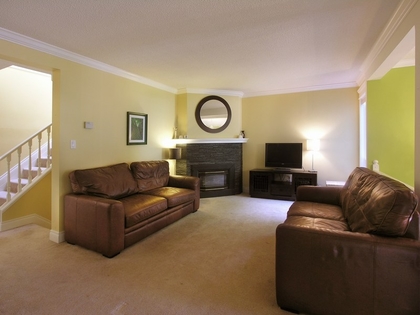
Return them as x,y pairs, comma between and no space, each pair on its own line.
214,140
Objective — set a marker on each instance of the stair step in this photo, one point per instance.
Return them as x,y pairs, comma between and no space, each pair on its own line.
34,172
15,182
43,161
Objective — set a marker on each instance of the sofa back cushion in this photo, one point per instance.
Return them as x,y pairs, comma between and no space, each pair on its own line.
150,174
373,203
114,181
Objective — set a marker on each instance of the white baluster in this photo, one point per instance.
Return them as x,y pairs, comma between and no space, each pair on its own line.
19,167
9,159
19,152
49,147
30,161
39,153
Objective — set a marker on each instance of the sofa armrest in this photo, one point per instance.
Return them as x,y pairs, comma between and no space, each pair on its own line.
318,270
320,194
180,181
188,182
95,223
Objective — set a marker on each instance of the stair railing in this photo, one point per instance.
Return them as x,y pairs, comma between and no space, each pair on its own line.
44,149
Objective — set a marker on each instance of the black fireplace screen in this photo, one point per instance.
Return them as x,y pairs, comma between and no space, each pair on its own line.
213,180
216,179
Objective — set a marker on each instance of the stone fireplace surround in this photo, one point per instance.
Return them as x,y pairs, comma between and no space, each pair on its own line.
216,156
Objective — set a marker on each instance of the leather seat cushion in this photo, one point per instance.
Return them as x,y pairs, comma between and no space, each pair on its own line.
174,195
319,223
140,207
316,210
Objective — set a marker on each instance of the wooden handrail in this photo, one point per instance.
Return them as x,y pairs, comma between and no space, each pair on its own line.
23,142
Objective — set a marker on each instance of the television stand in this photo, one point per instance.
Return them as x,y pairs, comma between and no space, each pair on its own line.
278,183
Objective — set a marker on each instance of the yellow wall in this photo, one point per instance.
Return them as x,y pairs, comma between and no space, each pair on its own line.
83,94
331,116
181,123
25,105
35,201
187,125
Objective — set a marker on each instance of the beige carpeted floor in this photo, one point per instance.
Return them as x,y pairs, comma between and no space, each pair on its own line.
219,260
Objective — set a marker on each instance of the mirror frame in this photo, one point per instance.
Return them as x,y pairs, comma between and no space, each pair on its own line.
198,116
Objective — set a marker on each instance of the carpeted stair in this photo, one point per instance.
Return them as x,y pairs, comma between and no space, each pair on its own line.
14,182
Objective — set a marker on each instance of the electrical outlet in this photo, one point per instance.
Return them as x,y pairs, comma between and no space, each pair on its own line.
72,144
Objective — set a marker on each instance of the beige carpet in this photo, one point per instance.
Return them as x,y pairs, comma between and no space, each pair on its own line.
219,260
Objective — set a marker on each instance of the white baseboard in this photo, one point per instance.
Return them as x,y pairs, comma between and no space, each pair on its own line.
28,219
56,237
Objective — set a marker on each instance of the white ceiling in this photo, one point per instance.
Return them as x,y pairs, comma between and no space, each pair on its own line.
250,46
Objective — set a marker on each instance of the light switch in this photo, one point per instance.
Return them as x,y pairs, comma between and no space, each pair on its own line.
72,144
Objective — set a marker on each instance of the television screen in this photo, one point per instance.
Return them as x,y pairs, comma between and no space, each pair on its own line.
283,155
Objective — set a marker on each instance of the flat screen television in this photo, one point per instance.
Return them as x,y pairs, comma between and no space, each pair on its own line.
283,155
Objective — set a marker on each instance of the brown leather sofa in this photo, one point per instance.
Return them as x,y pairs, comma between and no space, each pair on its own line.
115,206
350,250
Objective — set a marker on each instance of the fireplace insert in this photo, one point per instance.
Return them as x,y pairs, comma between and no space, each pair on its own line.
215,179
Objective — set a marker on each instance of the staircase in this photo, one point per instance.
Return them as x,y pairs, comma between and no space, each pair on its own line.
25,172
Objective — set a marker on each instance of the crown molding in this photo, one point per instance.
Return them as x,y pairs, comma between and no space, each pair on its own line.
405,63
362,92
397,54
303,89
210,91
402,11
35,44
68,55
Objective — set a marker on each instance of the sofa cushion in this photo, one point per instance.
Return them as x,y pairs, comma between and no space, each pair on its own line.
174,195
373,203
114,181
319,223
316,210
150,174
140,207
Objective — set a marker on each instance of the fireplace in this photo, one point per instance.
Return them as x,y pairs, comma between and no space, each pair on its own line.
218,165
215,179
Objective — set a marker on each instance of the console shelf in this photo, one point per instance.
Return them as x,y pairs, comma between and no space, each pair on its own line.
278,184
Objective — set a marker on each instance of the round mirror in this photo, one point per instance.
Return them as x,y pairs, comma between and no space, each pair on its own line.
213,114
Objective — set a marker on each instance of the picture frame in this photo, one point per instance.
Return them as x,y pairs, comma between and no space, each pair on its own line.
136,128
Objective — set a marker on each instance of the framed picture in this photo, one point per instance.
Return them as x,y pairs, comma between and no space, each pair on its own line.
136,128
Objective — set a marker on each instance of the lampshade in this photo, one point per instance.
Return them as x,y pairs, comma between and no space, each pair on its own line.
174,153
312,144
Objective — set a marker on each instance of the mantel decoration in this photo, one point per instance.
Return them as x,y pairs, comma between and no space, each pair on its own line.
136,128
